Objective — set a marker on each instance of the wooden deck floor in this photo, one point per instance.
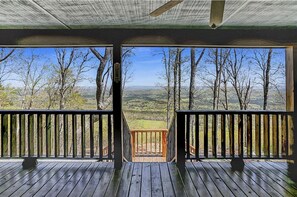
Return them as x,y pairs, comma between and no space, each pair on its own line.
145,179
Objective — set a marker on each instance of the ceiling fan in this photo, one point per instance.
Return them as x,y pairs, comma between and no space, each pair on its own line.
216,11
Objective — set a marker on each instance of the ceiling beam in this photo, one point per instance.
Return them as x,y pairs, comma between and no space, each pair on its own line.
150,37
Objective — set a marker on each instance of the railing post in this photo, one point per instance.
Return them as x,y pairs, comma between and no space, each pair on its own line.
164,143
180,142
117,106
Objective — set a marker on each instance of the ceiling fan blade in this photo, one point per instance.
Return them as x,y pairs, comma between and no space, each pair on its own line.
216,13
164,8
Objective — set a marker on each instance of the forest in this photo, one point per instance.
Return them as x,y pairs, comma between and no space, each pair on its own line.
191,79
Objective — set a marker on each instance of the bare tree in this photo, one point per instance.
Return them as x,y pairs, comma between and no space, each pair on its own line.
193,71
30,73
240,78
224,88
127,73
217,57
67,72
101,73
6,56
177,75
167,59
104,74
267,71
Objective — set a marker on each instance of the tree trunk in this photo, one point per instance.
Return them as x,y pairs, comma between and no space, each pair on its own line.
267,79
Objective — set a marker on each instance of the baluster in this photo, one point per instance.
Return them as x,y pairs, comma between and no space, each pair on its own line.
258,134
214,135
275,135
197,136
284,135
231,136
205,135
223,135
92,138
109,136
30,135
249,130
57,135
74,135
83,144
39,135
266,135
20,136
164,143
65,131
100,138
240,135
188,117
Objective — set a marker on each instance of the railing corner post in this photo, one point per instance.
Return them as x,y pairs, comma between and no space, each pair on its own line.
180,142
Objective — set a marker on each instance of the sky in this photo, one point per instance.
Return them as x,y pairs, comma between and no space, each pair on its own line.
147,67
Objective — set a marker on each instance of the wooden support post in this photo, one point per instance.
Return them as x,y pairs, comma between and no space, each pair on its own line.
291,98
291,77
117,105
180,142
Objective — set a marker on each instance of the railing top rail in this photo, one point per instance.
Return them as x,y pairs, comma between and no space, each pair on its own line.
45,111
148,130
234,112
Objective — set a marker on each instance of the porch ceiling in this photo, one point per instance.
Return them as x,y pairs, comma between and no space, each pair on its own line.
78,14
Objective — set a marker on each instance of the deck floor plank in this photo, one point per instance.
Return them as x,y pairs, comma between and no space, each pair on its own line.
177,182
5,169
261,182
19,179
217,181
209,179
135,185
54,180
197,182
10,174
104,181
157,189
75,179
265,175
32,181
124,186
54,191
250,187
91,186
84,180
115,181
279,172
166,180
146,189
283,179
44,180
234,188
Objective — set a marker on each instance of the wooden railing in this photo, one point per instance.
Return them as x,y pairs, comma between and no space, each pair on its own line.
56,134
149,142
229,134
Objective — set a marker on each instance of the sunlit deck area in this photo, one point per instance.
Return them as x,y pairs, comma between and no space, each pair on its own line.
207,178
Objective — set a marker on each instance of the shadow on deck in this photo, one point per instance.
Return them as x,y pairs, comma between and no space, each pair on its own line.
145,179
